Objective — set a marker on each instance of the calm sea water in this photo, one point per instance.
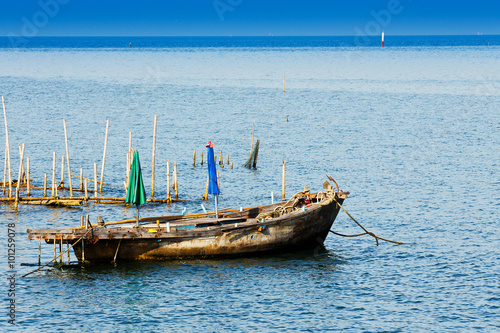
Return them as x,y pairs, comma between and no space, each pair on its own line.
411,130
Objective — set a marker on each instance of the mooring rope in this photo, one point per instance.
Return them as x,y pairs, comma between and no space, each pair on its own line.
366,232
60,254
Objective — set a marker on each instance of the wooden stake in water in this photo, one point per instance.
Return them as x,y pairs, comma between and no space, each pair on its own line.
169,198
20,173
7,148
45,186
104,155
28,190
81,179
153,164
67,159
128,160
95,179
54,187
67,251
201,158
23,173
39,251
176,181
62,171
194,159
283,182
60,251
205,195
86,190
4,184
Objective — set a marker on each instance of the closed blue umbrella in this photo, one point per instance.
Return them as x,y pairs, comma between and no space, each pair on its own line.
213,186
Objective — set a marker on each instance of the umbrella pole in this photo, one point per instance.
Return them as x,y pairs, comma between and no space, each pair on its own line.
216,208
137,221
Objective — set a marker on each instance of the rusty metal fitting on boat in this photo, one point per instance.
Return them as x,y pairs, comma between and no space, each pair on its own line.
100,222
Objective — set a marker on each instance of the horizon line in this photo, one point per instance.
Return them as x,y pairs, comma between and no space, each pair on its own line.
231,36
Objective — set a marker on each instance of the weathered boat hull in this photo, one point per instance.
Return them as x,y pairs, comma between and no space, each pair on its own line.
237,234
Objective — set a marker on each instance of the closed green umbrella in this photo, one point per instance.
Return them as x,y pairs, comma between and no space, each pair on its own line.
136,195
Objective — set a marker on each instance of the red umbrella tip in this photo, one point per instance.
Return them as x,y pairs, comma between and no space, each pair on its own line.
210,144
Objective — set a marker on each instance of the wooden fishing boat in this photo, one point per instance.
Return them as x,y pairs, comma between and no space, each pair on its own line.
303,222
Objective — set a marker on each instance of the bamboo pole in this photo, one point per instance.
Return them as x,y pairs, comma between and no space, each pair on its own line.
176,181
81,179
86,190
194,159
55,252
23,172
153,163
104,155
67,159
28,177
283,182
201,158
231,165
67,251
128,160
7,148
169,198
16,199
205,195
95,179
45,186
62,171
227,159
4,184
220,158
54,174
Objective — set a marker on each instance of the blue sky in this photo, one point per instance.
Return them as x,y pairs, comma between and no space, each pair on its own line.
247,17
